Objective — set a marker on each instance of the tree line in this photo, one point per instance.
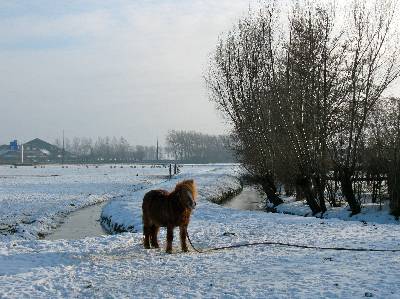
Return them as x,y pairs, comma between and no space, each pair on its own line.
181,146
194,147
106,149
305,97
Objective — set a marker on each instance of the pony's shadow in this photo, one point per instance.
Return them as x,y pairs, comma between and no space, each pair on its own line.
27,262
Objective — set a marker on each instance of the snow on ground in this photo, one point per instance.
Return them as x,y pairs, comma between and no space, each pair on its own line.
370,212
117,266
35,200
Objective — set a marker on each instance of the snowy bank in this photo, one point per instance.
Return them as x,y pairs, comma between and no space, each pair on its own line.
370,212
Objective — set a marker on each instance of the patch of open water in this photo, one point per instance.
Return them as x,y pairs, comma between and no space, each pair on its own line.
80,224
86,222
251,198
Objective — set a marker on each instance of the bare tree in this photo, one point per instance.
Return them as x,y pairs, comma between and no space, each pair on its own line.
298,99
371,64
309,96
242,82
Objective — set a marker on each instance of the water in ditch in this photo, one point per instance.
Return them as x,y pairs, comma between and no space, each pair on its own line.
80,224
86,222
251,198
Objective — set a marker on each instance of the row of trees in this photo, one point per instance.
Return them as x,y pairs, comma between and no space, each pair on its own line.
107,149
194,147
305,97
183,146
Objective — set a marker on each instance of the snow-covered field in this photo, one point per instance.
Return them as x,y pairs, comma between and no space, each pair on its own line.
117,266
34,200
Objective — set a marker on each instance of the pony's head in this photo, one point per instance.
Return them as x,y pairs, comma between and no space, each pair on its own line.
187,193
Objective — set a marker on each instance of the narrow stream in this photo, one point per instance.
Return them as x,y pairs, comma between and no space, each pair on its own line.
80,224
85,222
250,198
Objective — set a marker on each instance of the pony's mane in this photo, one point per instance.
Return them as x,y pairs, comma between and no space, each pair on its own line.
188,185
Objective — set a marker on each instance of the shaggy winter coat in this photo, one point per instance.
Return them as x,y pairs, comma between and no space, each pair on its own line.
168,209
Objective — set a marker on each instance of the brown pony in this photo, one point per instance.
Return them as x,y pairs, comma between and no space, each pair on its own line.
161,208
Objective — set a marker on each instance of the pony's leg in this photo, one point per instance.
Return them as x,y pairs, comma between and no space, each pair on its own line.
146,228
182,233
153,237
146,232
170,238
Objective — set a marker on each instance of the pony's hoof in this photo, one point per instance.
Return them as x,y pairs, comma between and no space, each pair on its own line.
168,251
185,250
146,246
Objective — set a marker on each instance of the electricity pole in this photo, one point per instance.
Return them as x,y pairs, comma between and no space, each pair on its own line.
63,148
157,152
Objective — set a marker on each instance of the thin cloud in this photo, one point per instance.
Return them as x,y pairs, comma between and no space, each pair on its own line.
130,68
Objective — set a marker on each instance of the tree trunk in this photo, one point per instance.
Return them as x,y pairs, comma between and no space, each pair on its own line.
299,193
374,192
320,188
348,192
269,188
288,190
305,185
395,191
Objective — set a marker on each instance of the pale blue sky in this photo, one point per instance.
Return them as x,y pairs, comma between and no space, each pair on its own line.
119,68
124,68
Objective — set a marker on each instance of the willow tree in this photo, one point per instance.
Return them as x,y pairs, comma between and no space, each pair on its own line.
241,80
371,64
277,94
309,96
298,97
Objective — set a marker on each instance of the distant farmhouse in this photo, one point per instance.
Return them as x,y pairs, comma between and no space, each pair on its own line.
34,151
